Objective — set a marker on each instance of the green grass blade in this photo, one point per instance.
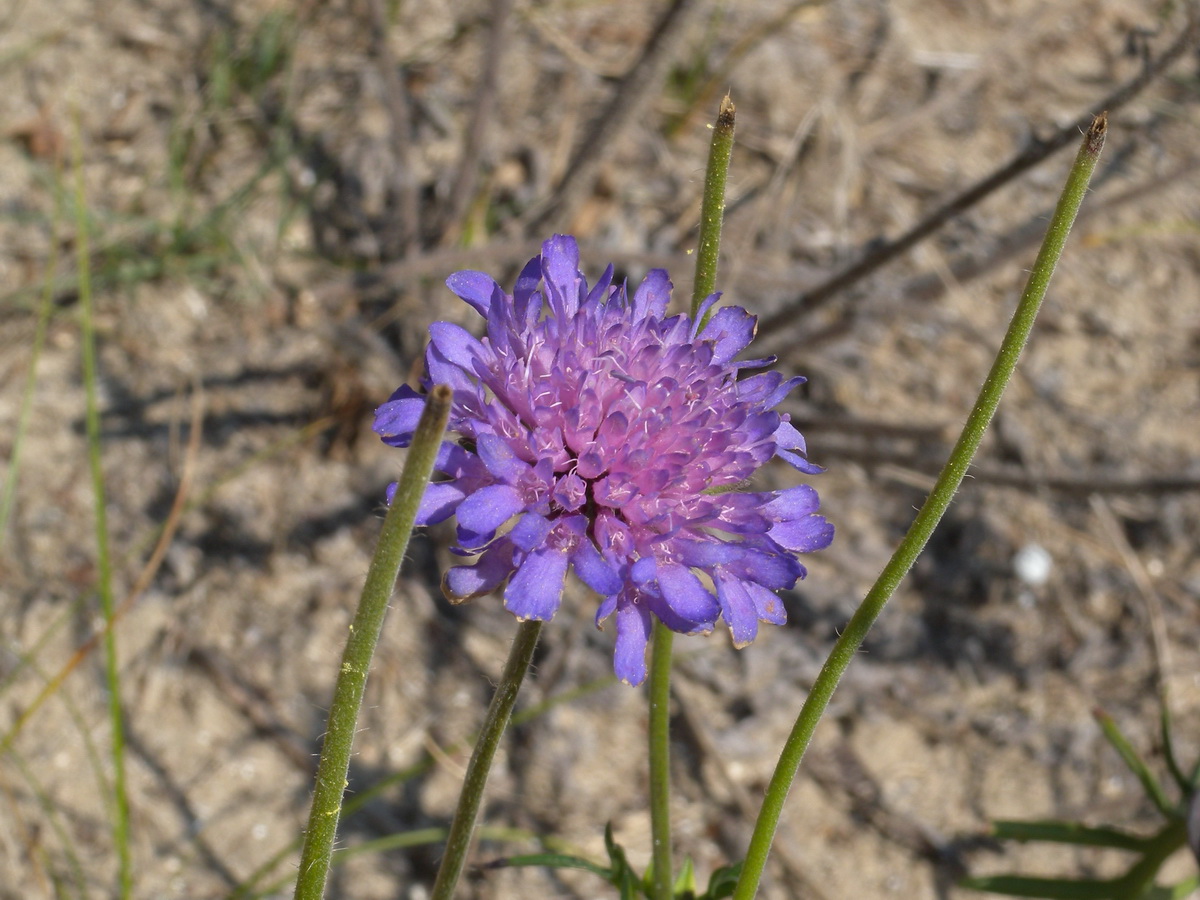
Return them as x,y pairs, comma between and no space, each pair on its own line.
45,309
552,861
112,677
1135,763
1044,888
53,817
1068,833
1168,745
1179,891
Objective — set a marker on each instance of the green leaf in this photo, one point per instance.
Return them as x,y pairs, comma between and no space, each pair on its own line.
1175,892
1047,888
1193,824
685,881
1135,763
722,882
622,875
1069,833
1168,745
553,861
628,884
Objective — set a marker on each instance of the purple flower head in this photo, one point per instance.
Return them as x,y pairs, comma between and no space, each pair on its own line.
597,435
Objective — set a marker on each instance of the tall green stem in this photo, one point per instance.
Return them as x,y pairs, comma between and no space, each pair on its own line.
931,512
659,691
360,647
712,213
498,714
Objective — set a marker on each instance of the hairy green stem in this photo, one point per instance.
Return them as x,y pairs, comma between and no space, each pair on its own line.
659,691
712,207
498,714
360,647
930,513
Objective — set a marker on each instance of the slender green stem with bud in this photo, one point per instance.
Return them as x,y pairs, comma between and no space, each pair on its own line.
931,512
712,207
360,647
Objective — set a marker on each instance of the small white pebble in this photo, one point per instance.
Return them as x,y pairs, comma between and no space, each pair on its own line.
1033,564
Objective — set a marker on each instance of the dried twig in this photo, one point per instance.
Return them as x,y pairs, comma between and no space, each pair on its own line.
1021,239
481,114
1038,150
1080,484
632,94
397,105
1151,602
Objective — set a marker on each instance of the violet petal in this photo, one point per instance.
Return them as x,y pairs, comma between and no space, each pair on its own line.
803,535
476,288
489,508
439,502
738,610
652,295
633,633
593,570
685,594
535,591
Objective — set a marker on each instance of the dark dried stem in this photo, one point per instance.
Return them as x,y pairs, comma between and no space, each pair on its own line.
467,175
635,89
400,120
1037,151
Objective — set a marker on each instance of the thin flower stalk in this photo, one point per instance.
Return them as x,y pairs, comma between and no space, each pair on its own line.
498,715
930,513
708,251
659,696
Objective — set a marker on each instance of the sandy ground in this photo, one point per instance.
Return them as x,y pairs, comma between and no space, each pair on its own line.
276,193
